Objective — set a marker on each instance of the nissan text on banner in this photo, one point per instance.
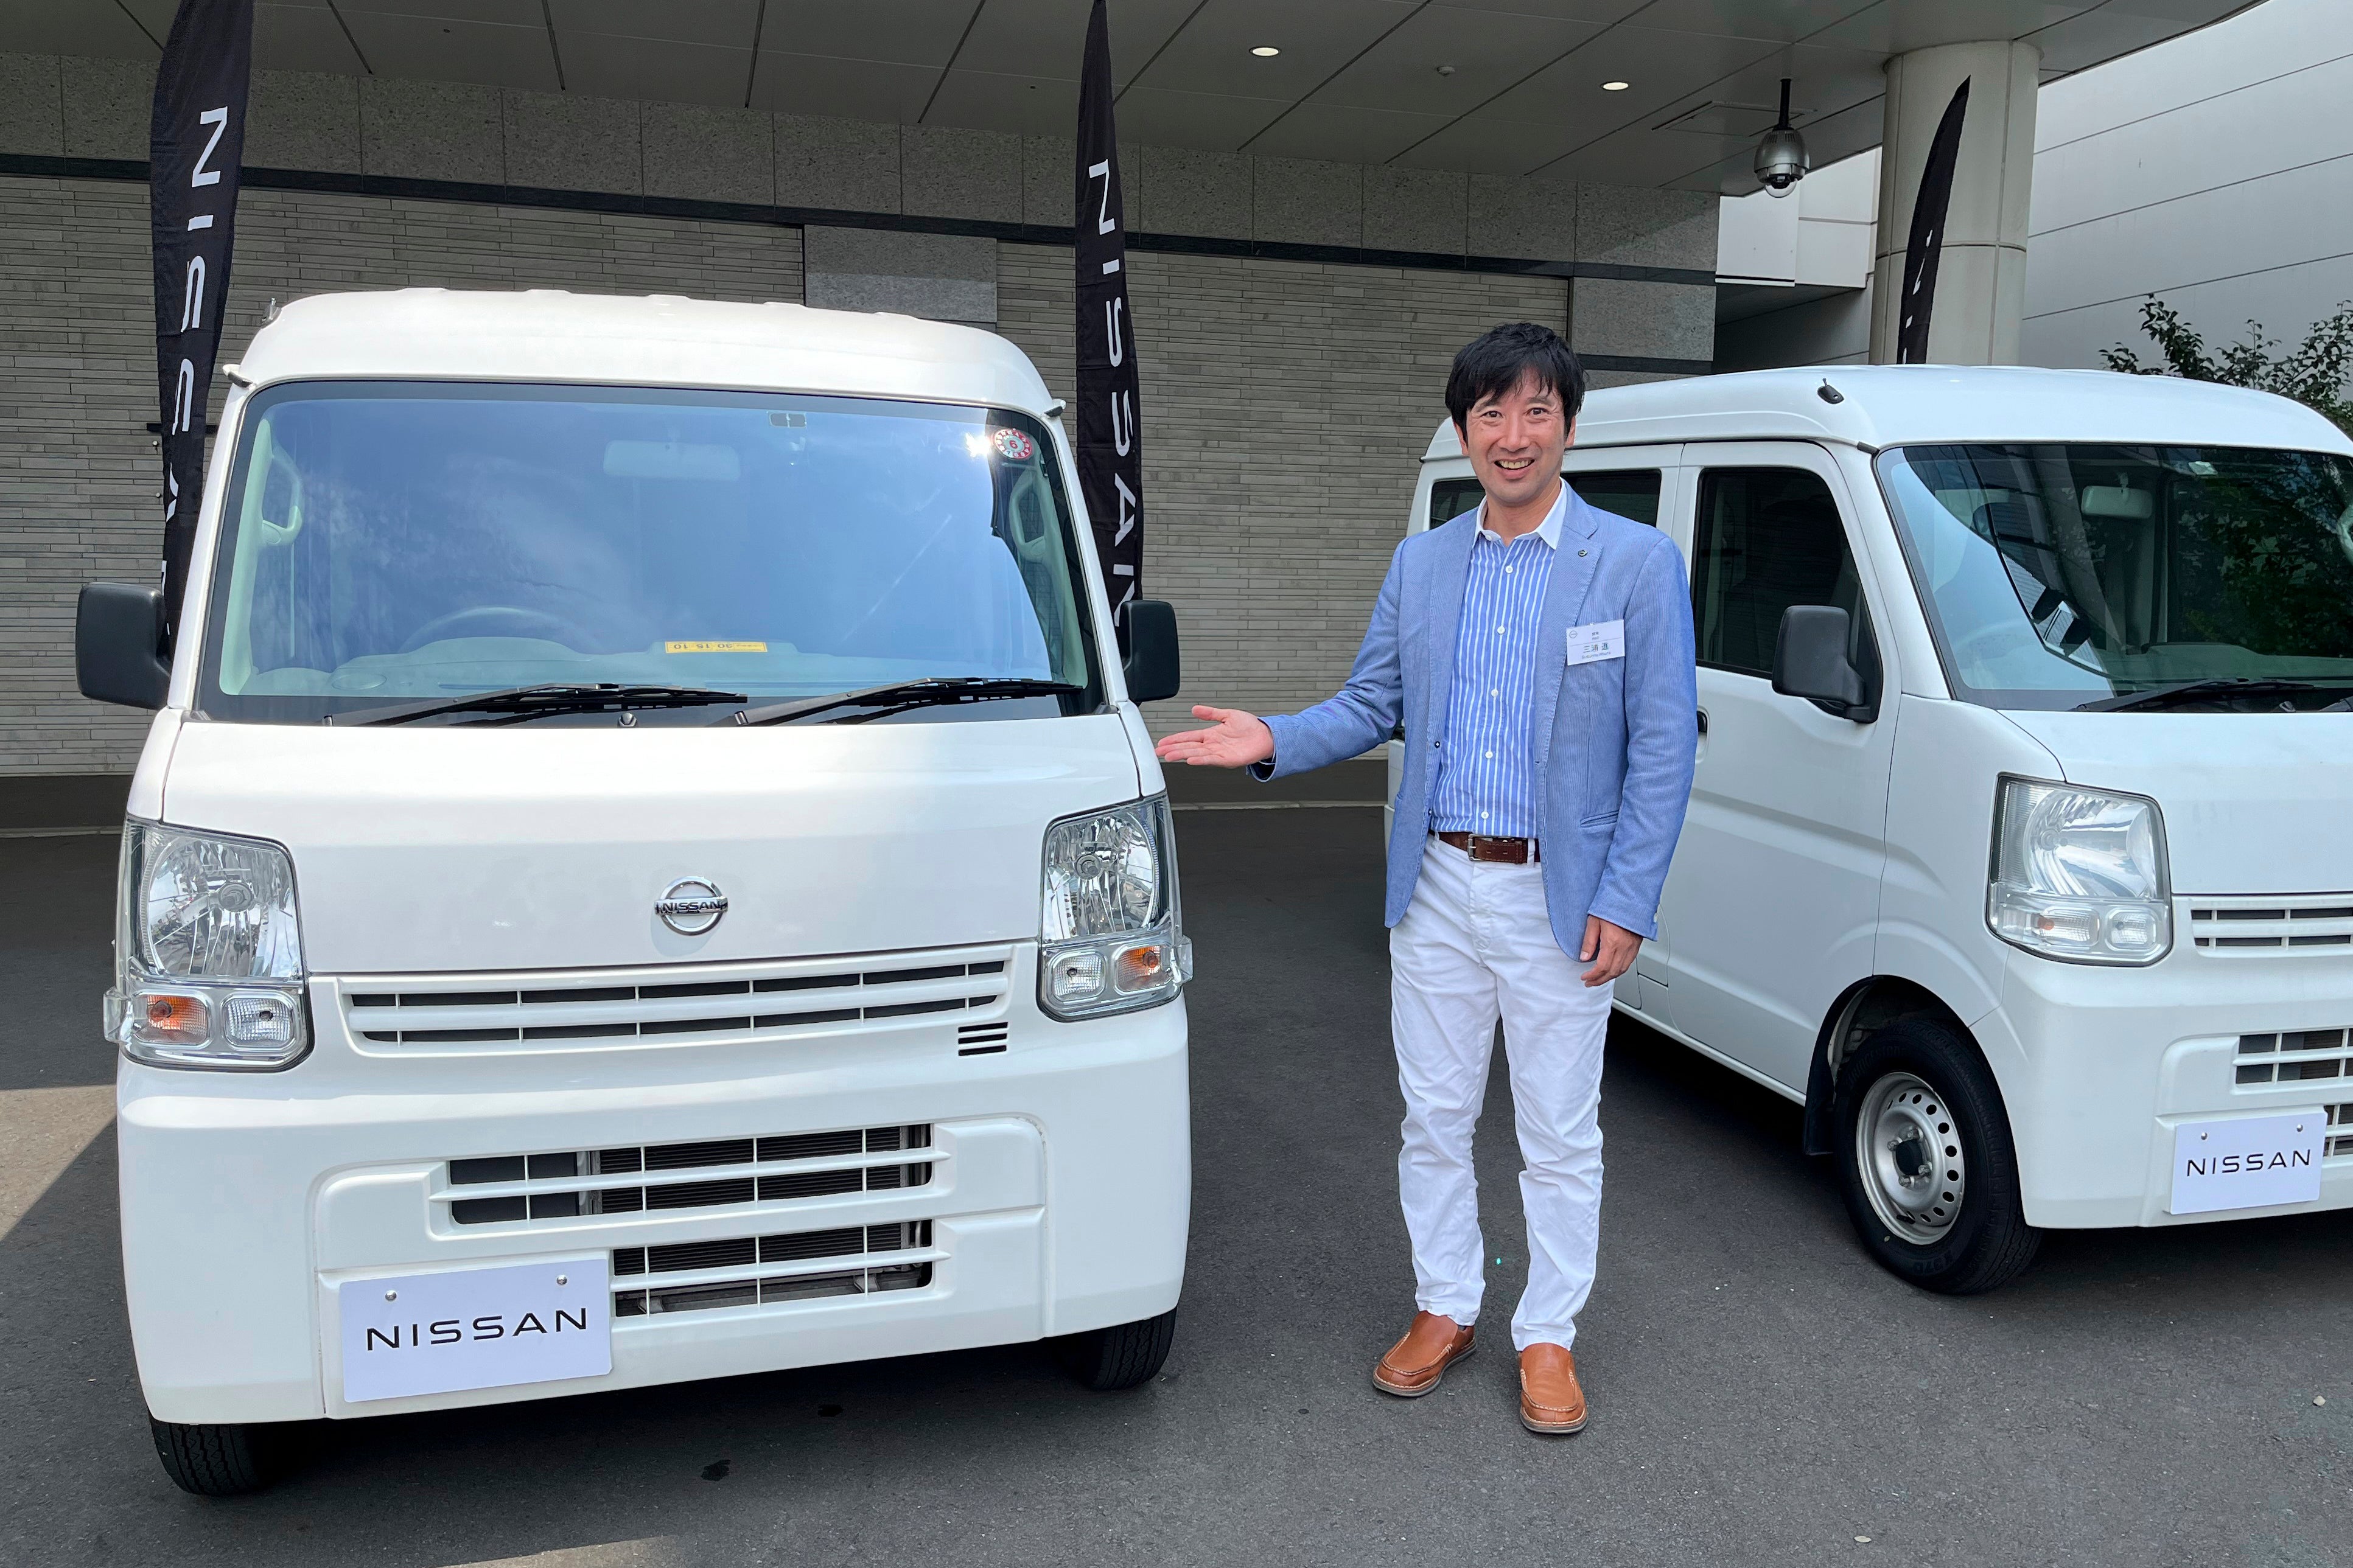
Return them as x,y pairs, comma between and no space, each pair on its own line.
1110,455
195,147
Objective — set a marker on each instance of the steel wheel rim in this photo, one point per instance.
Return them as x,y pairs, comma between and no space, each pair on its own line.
1907,1145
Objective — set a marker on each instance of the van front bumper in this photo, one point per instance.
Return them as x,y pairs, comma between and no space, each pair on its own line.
1054,1196
2100,1065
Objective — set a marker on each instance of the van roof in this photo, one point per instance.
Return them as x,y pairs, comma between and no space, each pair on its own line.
1889,405
660,340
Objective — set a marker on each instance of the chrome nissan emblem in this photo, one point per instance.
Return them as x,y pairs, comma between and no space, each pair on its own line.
691,906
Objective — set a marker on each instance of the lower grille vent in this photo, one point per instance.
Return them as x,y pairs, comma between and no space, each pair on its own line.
757,1269
2303,1056
726,1170
981,1039
2295,1056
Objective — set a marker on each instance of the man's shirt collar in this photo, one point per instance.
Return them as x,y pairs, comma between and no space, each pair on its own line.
1549,530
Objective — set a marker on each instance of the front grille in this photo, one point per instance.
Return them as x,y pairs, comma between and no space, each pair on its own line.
755,1270
717,1172
2304,925
2294,1056
559,1010
2340,1128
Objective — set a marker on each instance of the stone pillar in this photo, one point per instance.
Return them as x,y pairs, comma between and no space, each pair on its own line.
1980,292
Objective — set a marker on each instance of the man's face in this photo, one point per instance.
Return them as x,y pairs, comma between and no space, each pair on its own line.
1515,440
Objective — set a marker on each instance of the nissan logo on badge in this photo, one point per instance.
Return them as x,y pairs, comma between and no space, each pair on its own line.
691,906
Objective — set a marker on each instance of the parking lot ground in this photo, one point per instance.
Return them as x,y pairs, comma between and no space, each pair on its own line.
1762,1394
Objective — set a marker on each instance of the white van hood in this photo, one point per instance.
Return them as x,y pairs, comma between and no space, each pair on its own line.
430,849
2253,803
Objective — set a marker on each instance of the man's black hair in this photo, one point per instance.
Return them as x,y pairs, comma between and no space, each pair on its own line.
1499,358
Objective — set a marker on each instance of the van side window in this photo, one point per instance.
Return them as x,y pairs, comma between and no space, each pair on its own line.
1449,499
1631,493
1768,539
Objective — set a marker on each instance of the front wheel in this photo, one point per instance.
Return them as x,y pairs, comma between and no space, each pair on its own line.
215,1459
1925,1162
1126,1355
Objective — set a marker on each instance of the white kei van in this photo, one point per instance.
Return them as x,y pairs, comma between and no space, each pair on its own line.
2022,846
646,866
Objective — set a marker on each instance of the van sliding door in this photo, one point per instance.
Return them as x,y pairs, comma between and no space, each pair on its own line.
1772,903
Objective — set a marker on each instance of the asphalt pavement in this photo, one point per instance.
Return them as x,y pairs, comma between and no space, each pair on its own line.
1762,1394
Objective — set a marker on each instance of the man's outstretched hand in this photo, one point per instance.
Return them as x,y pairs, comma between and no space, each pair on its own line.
1235,740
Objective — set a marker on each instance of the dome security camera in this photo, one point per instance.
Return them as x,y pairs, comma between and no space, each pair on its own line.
1781,160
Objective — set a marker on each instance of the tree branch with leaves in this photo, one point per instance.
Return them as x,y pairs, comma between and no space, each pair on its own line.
2314,374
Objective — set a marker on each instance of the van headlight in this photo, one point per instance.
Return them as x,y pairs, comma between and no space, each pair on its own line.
2079,874
1109,934
207,952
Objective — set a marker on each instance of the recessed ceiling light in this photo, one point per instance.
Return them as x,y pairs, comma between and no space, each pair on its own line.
1266,51
1616,86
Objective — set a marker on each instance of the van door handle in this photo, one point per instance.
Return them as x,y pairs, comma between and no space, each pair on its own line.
1703,720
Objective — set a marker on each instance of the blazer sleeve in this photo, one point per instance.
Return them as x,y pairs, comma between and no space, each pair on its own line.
1662,690
1362,714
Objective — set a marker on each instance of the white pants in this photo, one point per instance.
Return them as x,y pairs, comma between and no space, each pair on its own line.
1475,944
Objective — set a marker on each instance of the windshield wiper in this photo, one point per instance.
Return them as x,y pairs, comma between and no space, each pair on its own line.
899,696
534,701
2183,692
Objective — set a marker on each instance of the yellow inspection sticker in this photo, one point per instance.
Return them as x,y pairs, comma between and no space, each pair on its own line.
714,648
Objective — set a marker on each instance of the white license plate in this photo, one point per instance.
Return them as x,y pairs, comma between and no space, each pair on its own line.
2247,1162
475,1328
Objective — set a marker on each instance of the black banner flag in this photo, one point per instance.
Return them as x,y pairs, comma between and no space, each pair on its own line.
195,148
1926,242
1110,455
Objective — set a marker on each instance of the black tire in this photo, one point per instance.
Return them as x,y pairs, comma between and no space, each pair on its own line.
210,1460
1126,1355
1931,1098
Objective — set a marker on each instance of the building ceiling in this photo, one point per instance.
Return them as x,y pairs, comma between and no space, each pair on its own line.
1501,87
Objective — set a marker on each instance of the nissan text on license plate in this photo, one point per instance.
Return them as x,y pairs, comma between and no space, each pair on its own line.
458,1329
2247,1162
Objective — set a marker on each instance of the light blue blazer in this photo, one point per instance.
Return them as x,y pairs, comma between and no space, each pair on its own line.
1616,737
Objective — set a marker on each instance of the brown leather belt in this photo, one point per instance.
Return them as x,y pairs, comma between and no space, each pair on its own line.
1486,846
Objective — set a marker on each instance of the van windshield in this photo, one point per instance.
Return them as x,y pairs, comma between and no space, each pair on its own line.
385,541
2057,575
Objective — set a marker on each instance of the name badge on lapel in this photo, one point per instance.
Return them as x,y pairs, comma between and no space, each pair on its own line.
1602,640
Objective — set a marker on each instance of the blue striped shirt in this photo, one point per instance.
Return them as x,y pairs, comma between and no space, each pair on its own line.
1486,774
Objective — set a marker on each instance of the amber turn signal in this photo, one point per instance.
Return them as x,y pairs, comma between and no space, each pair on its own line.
1140,968
182,1020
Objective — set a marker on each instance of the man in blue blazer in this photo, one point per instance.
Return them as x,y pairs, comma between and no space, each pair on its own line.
1538,652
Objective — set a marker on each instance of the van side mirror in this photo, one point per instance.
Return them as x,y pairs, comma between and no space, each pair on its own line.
1810,660
118,645
1148,640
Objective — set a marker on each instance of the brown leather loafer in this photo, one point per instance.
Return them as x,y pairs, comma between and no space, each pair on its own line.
1416,1363
1550,1400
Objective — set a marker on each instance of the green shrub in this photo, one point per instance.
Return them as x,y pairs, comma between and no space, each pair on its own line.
2314,374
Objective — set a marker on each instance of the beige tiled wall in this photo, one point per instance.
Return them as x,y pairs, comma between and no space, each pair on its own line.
52,106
